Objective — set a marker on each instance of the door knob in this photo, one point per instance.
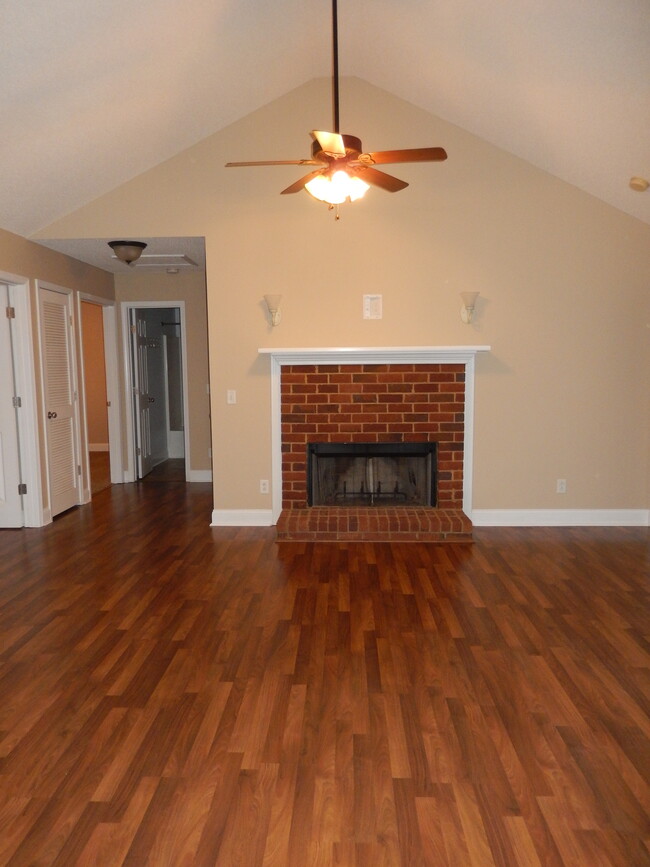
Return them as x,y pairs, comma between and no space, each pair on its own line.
51,415
152,400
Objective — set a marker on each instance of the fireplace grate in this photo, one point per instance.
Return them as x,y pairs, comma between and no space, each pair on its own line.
371,474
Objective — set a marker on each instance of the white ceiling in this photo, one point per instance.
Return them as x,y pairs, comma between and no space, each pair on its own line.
94,93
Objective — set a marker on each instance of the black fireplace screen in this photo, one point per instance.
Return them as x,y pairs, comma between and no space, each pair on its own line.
371,474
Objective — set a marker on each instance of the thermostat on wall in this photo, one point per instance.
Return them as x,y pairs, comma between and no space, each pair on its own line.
372,306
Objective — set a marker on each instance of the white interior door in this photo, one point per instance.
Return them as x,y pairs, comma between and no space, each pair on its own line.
60,396
11,500
141,397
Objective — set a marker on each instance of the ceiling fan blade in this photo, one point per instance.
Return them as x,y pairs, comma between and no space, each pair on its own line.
412,155
380,179
300,184
278,163
331,143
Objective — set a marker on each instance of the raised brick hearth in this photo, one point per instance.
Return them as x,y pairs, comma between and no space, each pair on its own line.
373,403
374,524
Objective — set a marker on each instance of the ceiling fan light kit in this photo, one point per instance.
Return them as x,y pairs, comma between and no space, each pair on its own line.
337,188
342,171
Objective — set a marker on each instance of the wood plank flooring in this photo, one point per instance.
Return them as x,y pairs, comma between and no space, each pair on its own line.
175,694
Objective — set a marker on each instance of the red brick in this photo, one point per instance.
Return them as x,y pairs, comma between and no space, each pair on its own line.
317,377
340,377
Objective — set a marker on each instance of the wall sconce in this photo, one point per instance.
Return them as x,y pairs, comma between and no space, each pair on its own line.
273,304
127,251
469,302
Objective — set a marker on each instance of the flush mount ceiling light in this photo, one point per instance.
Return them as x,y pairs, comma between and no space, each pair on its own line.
343,172
127,251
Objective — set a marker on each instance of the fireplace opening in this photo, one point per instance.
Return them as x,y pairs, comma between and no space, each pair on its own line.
371,474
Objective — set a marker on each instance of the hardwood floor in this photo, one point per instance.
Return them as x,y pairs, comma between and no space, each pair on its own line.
100,471
175,694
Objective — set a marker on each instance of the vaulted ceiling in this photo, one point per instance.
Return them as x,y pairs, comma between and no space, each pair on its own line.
94,93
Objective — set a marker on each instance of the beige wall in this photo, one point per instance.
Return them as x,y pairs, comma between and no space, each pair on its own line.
190,288
564,282
26,259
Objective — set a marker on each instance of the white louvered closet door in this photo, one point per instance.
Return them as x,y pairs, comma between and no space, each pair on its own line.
59,383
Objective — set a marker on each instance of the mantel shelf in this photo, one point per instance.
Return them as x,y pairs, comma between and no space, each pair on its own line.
374,354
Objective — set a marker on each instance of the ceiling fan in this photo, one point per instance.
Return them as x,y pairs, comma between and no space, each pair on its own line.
343,171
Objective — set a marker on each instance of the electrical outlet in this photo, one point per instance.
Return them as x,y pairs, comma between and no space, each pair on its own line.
231,396
560,487
264,486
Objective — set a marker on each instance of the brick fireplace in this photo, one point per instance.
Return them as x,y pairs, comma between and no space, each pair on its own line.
393,395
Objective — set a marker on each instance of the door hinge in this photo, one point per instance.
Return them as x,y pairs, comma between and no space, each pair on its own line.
78,469
11,312
17,402
133,329
22,488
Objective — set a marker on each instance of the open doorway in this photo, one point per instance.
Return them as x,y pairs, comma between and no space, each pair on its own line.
158,405
96,396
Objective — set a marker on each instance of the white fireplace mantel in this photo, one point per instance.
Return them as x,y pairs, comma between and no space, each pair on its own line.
465,355
376,355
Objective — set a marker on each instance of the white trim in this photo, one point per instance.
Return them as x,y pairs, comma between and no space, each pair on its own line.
199,476
25,376
126,306
372,355
80,444
242,518
376,354
561,517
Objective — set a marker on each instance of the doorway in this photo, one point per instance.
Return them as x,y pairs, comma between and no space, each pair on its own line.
157,371
96,400
60,391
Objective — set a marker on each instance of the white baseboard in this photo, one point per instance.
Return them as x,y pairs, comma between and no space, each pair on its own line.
199,475
99,447
44,517
242,518
561,517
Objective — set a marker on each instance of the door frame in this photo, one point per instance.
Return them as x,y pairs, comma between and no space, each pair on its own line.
80,446
127,366
25,377
109,320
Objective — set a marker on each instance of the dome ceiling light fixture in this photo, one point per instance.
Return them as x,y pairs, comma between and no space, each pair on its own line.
127,251
342,171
